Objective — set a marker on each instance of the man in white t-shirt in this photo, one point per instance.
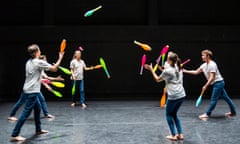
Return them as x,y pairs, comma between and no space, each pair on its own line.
211,72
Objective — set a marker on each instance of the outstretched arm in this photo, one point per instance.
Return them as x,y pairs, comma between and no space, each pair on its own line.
88,68
193,72
45,76
58,78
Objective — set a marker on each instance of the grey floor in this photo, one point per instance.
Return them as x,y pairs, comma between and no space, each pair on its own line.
124,122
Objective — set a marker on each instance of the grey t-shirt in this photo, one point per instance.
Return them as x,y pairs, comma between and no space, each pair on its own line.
174,83
34,68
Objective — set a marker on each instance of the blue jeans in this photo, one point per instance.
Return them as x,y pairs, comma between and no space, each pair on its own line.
22,100
18,104
172,108
43,104
80,89
220,92
32,102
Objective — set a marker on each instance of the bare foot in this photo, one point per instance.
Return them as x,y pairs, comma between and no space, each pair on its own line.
230,114
180,136
18,138
50,116
73,104
84,106
203,116
41,132
12,118
171,137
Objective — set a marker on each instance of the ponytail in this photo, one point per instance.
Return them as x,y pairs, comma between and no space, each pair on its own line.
176,62
179,64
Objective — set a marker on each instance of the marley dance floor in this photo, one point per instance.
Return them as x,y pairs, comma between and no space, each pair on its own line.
124,122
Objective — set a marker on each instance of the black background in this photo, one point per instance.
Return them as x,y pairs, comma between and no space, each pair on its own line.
186,26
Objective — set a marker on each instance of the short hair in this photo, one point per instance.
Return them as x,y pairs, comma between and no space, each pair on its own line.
208,53
32,49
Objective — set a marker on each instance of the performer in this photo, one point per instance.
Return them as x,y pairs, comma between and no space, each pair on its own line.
43,103
214,78
173,78
31,89
77,66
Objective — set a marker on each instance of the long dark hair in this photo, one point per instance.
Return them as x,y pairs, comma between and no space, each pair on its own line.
176,61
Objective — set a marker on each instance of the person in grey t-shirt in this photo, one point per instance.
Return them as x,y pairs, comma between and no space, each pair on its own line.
43,103
173,77
31,89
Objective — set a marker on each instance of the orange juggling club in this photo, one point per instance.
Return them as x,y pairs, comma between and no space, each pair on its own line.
143,46
63,45
97,66
164,97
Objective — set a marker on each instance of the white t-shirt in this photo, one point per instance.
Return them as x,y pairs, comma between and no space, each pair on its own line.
34,68
78,68
174,83
207,68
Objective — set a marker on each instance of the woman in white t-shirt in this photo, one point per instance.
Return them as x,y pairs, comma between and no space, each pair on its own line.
173,78
78,66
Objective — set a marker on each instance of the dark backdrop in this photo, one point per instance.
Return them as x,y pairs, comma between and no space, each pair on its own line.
186,26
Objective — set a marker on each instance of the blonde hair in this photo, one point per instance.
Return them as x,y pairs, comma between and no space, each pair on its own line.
207,52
